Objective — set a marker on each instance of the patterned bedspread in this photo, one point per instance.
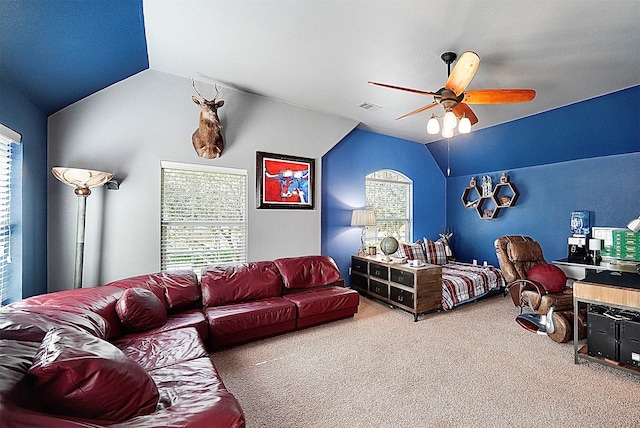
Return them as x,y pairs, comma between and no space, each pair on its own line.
463,282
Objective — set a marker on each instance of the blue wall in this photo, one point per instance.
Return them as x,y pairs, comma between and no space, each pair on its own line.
29,239
602,126
608,187
344,169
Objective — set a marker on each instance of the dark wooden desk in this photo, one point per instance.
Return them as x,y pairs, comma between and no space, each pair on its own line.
579,270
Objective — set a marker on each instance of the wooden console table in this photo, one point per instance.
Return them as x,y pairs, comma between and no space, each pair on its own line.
606,295
414,289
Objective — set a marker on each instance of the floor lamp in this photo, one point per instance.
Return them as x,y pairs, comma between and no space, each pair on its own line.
82,180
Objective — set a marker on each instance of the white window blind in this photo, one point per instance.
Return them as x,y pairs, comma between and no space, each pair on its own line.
390,195
8,137
204,216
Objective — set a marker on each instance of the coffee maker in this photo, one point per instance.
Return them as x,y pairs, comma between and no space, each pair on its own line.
577,242
577,250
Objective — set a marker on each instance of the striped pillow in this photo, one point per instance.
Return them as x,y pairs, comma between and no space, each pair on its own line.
435,252
412,251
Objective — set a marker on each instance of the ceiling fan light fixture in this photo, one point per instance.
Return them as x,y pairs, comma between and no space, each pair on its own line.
449,121
464,127
447,132
433,126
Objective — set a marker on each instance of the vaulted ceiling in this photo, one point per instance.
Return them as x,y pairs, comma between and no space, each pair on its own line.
320,54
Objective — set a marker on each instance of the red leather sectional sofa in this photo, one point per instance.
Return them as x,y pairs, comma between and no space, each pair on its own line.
134,352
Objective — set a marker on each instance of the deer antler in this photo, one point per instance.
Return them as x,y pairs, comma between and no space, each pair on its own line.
193,85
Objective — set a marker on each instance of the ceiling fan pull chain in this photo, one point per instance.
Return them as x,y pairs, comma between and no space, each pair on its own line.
448,150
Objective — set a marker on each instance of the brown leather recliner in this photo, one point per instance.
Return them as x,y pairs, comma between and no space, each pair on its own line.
552,307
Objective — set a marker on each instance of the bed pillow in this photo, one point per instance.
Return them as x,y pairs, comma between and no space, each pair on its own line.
435,252
552,278
412,251
76,374
140,310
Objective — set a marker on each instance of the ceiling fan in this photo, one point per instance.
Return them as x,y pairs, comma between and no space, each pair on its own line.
453,97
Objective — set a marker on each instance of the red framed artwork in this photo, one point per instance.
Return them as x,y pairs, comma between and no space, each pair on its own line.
284,181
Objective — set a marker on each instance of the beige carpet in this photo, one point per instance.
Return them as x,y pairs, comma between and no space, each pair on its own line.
473,366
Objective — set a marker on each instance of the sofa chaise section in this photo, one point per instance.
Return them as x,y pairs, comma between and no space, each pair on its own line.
313,284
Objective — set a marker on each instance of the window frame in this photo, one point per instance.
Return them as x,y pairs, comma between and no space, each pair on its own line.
244,224
374,235
8,138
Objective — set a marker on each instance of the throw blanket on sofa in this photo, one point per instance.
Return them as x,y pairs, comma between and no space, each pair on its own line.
463,282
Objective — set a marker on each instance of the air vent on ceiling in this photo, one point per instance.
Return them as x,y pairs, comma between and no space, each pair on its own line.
369,106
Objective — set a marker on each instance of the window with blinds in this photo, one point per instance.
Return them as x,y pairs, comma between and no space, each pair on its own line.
8,137
203,216
390,195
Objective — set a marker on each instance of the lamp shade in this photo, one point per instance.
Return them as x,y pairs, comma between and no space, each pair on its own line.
433,126
634,225
447,132
464,127
84,178
449,120
363,218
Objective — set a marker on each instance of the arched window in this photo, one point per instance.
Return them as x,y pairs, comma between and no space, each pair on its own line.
390,195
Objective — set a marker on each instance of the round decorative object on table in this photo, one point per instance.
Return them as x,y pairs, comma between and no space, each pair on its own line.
388,246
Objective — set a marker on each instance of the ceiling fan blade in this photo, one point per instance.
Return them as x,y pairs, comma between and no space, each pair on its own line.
499,96
462,109
415,91
419,110
463,72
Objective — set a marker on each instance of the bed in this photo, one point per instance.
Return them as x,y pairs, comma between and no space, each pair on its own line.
461,282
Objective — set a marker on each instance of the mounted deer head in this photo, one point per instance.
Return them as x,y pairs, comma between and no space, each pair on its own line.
445,237
207,139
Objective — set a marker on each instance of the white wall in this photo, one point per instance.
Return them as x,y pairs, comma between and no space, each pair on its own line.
127,129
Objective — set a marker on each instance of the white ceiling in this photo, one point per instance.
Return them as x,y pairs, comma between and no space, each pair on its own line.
319,54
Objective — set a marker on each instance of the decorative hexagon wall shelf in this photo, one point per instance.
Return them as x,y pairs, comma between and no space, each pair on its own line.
488,202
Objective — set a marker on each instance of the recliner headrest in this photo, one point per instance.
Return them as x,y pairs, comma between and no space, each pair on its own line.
524,251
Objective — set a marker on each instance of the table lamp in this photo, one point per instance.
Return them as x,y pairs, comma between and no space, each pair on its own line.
634,225
363,218
82,180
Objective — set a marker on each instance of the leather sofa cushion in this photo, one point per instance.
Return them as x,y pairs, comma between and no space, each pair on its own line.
192,394
176,289
323,300
16,357
140,310
83,301
224,285
551,277
307,271
239,317
79,375
33,323
154,351
188,318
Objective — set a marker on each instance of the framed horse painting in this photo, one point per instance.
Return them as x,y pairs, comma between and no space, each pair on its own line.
284,182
